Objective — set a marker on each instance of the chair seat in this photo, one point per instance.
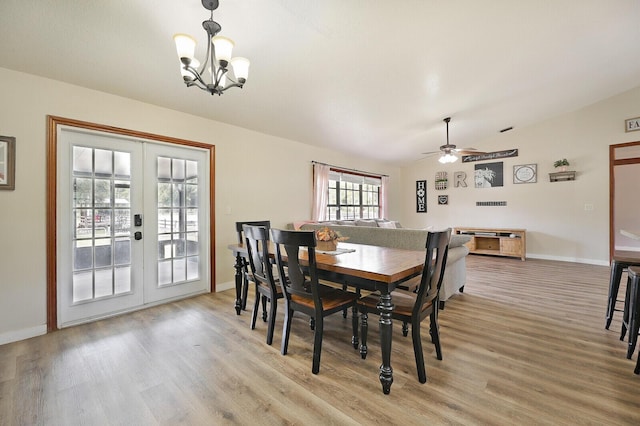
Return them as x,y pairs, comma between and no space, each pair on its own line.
331,298
403,302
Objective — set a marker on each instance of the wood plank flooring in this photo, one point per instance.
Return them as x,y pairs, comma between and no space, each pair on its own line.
524,344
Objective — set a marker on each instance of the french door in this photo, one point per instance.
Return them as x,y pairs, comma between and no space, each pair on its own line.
132,224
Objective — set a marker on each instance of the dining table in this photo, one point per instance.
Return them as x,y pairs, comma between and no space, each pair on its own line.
368,267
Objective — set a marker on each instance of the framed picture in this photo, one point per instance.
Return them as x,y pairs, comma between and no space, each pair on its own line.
7,162
525,173
488,175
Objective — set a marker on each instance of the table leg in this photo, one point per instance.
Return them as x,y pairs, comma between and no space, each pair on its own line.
239,272
385,307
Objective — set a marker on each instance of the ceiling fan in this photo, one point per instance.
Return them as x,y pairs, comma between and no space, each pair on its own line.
448,151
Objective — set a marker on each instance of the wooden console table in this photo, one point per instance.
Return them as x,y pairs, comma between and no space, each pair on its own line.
496,241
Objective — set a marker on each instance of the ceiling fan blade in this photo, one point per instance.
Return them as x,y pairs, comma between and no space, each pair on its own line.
465,151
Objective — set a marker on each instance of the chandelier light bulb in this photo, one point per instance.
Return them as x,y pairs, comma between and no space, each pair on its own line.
186,47
240,68
223,48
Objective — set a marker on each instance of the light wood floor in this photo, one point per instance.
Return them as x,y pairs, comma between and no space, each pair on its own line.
525,344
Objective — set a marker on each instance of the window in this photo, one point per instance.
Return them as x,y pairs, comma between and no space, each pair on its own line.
353,196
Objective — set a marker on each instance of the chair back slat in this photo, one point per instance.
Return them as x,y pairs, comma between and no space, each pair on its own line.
437,248
302,280
257,242
239,225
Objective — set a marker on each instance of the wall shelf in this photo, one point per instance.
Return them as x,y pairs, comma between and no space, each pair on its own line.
562,176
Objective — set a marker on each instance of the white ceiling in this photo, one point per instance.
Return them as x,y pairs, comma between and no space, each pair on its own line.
370,77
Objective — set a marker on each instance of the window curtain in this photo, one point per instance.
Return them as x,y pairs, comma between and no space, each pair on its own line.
384,202
320,191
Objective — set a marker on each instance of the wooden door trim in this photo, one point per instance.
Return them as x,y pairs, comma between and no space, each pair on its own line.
52,145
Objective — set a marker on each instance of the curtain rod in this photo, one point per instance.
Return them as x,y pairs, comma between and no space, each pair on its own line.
346,169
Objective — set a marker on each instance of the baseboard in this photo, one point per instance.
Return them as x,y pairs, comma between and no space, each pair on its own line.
225,286
25,333
569,259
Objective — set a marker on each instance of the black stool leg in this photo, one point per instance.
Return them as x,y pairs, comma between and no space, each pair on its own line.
625,312
634,321
614,286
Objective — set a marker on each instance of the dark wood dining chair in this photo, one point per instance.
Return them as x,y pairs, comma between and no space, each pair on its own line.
412,308
302,290
620,262
245,261
261,272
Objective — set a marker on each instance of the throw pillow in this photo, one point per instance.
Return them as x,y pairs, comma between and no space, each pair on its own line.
389,225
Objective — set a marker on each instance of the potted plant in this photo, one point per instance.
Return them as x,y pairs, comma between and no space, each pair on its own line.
327,239
561,165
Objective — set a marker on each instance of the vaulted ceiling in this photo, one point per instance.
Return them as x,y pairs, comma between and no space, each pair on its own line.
370,77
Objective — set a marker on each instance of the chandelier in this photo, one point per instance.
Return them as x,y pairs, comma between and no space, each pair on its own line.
217,59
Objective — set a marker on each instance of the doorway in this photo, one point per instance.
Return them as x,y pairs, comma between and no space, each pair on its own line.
624,204
131,223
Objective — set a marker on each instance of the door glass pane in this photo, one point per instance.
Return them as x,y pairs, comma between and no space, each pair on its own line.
82,286
164,273
99,227
192,219
177,221
103,162
82,160
123,280
104,282
122,164
192,172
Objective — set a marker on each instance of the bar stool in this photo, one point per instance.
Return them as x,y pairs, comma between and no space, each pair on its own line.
631,317
621,260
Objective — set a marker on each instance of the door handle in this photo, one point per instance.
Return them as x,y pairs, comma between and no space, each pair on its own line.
137,235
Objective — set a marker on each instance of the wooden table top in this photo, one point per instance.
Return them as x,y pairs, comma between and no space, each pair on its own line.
376,263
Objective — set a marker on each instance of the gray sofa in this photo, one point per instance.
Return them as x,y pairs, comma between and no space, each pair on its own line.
455,273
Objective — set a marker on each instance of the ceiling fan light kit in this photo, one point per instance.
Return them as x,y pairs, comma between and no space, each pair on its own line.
217,58
448,152
447,158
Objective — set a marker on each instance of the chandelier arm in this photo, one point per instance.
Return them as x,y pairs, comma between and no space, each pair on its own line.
196,75
232,85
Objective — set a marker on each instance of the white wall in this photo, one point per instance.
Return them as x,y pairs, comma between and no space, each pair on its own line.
554,215
284,196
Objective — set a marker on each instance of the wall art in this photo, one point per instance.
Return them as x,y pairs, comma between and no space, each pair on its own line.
489,175
441,180
632,124
459,179
421,196
7,162
525,173
490,155
443,200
